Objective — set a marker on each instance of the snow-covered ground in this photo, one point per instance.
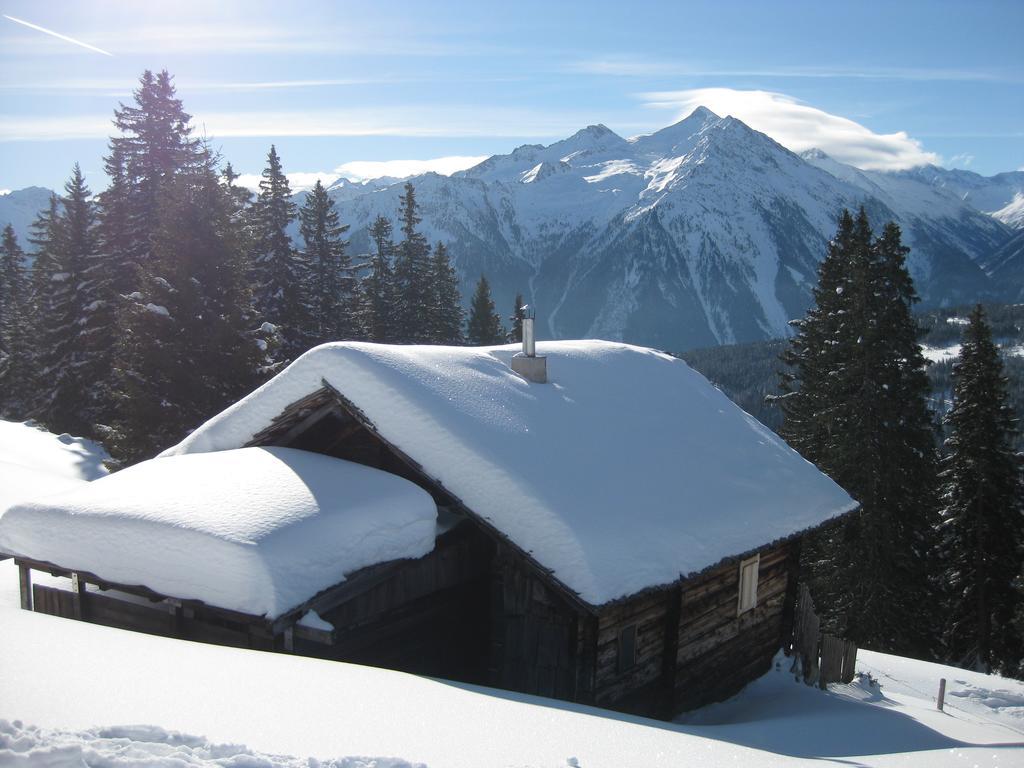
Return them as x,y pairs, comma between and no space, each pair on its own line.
74,694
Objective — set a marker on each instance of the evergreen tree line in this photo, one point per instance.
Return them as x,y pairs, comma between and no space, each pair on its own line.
930,563
153,305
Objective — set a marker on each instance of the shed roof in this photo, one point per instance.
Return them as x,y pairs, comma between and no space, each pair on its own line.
624,472
255,530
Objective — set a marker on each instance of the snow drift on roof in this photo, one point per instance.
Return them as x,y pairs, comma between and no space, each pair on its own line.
625,471
34,462
257,530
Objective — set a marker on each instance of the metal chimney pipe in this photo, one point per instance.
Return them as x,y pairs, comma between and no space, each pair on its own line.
529,343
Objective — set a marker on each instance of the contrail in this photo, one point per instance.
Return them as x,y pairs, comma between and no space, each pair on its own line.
57,34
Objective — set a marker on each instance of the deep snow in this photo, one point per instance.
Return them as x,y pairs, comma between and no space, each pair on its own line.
34,461
257,530
624,471
73,693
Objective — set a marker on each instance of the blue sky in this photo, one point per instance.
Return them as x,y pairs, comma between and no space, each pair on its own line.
341,87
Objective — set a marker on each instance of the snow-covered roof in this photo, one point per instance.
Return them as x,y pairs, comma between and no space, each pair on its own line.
34,462
624,472
256,530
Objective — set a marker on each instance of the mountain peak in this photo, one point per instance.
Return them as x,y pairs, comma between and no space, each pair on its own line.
701,113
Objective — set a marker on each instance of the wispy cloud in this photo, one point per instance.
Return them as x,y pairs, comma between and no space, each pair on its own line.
963,160
364,170
411,120
58,35
360,170
638,66
799,127
298,181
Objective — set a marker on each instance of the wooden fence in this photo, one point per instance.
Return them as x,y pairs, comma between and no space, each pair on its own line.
821,658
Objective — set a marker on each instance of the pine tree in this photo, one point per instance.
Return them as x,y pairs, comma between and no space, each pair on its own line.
191,345
280,271
444,319
333,297
16,375
515,334
153,146
855,403
414,292
52,317
378,289
982,515
484,326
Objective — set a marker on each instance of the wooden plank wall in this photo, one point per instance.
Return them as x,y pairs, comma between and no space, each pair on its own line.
535,645
635,689
158,619
720,652
431,617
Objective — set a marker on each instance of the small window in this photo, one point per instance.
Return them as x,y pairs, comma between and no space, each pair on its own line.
748,584
627,648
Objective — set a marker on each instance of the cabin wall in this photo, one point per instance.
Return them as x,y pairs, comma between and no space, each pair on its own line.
536,643
719,651
126,612
430,617
638,688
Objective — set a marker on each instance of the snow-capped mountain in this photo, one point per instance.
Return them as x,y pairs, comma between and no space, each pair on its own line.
705,232
20,208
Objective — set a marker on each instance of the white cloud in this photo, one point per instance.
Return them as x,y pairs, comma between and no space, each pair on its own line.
800,127
360,170
4,192
299,181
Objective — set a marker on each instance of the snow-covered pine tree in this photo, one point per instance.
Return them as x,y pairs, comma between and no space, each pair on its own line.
515,334
53,318
153,146
333,299
414,290
16,373
191,338
982,511
444,321
854,402
378,289
281,272
484,325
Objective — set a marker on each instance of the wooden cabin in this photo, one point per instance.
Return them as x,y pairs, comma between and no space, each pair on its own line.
499,600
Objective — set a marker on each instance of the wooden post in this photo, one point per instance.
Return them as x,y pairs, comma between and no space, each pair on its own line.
289,639
77,596
25,579
942,693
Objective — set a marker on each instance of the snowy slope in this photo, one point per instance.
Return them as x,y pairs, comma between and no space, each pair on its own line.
127,699
702,233
34,461
556,466
256,530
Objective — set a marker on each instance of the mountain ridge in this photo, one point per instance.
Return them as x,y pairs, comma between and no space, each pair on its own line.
703,232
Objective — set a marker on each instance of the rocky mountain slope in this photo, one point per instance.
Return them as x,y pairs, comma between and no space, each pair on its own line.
703,233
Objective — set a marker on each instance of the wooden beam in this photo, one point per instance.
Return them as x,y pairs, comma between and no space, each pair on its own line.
25,579
297,429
